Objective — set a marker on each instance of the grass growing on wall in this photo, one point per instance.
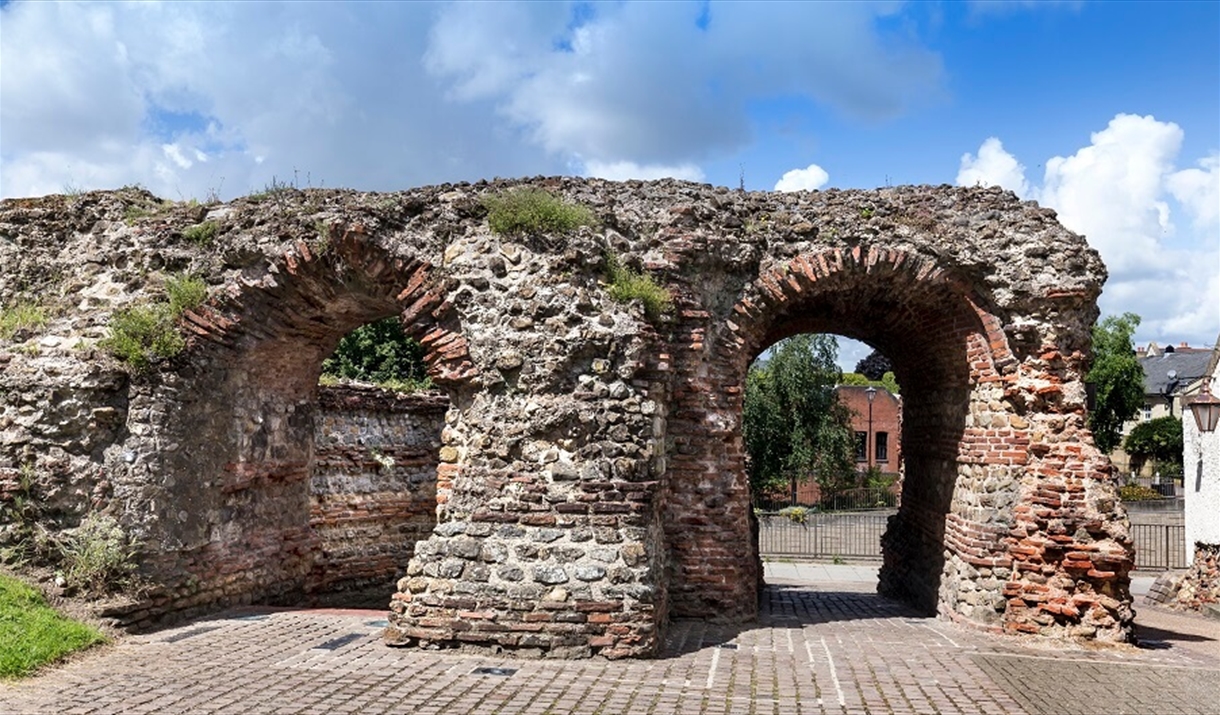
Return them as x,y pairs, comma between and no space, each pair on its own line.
32,634
533,211
626,285
143,334
20,318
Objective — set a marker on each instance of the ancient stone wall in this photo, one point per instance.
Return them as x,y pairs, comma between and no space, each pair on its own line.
372,491
591,478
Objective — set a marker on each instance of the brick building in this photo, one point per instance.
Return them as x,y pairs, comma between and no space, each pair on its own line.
879,442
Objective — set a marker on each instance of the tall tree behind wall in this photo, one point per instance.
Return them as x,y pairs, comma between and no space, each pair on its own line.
1117,377
794,426
380,353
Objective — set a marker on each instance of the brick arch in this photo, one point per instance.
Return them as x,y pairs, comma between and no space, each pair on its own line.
949,352
241,530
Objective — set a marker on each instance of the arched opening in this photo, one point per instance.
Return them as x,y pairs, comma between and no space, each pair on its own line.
823,436
281,505
953,499
372,488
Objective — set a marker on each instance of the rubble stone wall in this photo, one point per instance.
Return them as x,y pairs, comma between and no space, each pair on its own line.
372,491
590,479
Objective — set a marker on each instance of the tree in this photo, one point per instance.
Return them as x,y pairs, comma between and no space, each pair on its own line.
874,366
793,424
1117,377
888,381
379,352
1159,440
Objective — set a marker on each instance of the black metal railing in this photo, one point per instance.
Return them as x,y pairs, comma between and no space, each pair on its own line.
847,535
844,500
1159,547
857,535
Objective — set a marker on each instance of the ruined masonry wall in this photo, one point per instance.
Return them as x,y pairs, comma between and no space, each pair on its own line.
591,476
372,493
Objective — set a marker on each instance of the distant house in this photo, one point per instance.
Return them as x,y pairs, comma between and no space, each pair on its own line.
1171,374
879,443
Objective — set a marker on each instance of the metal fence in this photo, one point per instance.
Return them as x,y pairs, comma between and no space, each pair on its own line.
1159,547
854,535
809,496
857,536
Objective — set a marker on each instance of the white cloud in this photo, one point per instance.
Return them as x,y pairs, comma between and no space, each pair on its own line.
810,178
993,167
387,95
1199,190
1121,192
624,170
644,83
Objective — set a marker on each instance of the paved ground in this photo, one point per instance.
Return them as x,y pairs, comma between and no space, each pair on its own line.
822,646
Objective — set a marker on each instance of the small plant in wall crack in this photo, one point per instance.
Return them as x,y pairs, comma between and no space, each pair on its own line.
384,461
527,211
626,285
144,334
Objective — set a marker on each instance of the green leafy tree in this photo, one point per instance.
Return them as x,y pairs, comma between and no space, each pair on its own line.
1117,377
793,424
1159,440
888,381
378,352
874,366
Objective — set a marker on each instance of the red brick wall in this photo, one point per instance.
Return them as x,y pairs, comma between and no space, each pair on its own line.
886,417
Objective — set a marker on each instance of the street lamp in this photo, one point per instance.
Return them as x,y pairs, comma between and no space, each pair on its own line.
1206,408
870,393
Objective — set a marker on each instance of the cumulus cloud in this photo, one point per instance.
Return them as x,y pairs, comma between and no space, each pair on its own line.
810,178
993,167
1122,192
386,95
652,83
191,98
624,170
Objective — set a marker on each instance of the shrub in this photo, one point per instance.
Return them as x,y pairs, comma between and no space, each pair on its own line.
201,234
141,334
20,318
97,556
1136,492
626,285
795,514
531,211
185,293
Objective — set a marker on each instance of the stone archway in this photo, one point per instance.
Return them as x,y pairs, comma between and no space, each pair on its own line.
590,481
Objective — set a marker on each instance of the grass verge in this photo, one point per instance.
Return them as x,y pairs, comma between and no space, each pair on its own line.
32,634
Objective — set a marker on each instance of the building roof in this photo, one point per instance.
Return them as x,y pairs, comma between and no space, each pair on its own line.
1186,364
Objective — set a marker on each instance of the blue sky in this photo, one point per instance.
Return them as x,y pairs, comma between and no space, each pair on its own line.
1107,112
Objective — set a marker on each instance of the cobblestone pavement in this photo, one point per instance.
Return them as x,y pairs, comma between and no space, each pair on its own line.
834,648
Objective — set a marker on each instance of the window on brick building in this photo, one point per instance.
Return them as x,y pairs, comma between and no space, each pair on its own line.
861,446
883,446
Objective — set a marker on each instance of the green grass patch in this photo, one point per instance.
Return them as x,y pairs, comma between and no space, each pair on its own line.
20,318
626,285
32,634
202,234
532,211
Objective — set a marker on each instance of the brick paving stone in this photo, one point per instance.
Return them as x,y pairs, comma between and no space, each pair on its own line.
835,649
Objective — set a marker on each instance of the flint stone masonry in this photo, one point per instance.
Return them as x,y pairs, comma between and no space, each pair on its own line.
590,481
372,491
